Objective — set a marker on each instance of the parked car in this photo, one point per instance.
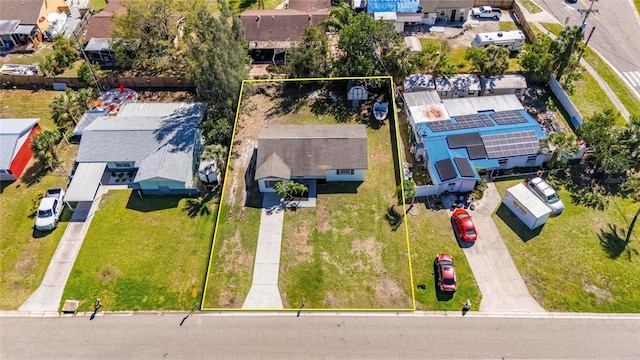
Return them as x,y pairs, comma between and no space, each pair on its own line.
547,194
50,209
486,12
446,273
464,225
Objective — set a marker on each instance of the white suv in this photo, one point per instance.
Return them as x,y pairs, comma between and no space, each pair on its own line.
546,193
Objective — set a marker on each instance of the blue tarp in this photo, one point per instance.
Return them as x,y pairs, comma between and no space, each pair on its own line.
398,6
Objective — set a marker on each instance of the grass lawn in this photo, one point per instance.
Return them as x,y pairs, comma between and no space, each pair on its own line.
456,56
566,265
23,257
239,6
507,26
530,6
142,254
35,58
97,5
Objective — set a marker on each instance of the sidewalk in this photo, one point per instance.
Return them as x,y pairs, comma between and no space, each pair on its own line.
545,17
48,296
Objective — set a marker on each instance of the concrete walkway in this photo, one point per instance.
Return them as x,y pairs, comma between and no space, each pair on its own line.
264,292
49,294
498,278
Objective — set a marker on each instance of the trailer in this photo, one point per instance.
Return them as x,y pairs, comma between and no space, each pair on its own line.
526,206
510,40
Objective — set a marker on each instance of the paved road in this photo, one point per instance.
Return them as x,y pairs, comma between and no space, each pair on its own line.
616,35
498,278
326,336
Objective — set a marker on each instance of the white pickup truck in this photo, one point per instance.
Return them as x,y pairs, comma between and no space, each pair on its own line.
486,12
50,209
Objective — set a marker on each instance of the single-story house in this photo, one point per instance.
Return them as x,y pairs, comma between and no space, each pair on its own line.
271,33
155,144
300,152
98,37
448,10
504,84
457,86
23,23
456,138
15,146
397,12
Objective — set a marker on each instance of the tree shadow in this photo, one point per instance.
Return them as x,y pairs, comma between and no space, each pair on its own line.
339,187
178,129
34,173
334,107
614,244
517,226
394,218
198,206
5,184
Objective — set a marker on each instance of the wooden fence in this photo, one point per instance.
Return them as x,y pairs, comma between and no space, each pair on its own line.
502,4
138,83
528,31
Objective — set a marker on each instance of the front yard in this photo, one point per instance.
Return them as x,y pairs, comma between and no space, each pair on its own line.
142,254
571,264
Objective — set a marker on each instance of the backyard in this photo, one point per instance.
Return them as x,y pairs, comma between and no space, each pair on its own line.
576,262
142,253
332,255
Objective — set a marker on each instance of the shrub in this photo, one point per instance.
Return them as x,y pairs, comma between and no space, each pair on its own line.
35,202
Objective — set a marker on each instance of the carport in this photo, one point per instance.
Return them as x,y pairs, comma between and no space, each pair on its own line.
85,182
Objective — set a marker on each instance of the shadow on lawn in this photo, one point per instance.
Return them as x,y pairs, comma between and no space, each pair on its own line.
394,218
150,203
613,242
516,225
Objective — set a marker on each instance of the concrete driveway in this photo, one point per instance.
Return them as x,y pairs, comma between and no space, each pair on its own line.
498,278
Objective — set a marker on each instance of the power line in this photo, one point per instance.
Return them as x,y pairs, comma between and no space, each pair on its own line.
587,12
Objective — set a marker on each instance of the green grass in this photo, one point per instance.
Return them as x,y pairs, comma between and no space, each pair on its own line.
239,6
553,28
565,266
589,98
530,6
28,104
507,26
636,3
97,5
35,58
456,55
142,254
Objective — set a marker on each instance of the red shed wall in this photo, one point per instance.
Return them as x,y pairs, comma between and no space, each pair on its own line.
24,155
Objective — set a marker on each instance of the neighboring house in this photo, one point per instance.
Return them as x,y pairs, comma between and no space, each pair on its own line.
460,85
98,37
456,138
156,144
299,152
504,85
24,23
15,146
271,33
399,13
447,10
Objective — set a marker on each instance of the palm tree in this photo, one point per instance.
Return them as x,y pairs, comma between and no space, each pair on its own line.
399,62
70,106
286,191
407,192
44,147
562,146
218,154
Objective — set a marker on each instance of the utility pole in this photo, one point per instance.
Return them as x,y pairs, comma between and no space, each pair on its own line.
586,43
587,12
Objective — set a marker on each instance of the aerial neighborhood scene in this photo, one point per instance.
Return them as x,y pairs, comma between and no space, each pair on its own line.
337,159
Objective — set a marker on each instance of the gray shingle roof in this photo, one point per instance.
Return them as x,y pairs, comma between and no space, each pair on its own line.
273,166
161,144
311,150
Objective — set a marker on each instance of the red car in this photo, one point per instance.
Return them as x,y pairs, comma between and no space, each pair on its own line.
464,225
446,273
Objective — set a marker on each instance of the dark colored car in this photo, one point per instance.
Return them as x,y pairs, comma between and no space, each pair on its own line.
464,225
446,273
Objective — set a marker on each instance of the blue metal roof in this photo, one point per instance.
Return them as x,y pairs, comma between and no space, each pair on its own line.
399,6
437,147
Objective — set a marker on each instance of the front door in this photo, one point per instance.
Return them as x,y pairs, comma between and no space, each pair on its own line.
453,15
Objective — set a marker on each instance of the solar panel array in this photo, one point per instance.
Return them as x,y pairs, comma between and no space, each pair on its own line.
445,169
508,117
464,167
511,144
462,122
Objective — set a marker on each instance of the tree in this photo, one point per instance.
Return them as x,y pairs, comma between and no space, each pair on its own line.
490,61
537,58
68,107
86,73
310,58
289,189
632,186
339,17
218,154
565,49
147,34
399,62
217,58
562,145
64,54
406,191
44,147
361,45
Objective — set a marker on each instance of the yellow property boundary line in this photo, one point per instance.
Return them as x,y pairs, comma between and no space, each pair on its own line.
400,167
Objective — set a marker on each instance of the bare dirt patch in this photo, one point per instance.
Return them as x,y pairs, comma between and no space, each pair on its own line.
237,257
299,247
371,248
389,294
227,300
165,96
601,295
108,273
332,301
322,218
27,259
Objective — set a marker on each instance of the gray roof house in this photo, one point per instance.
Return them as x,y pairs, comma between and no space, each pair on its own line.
298,152
156,144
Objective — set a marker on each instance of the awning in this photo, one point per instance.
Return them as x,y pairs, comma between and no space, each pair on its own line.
23,30
85,182
388,16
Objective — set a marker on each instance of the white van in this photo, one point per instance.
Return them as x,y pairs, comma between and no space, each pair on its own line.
510,40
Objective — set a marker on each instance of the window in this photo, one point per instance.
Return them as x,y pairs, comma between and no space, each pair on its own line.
471,92
123,164
444,93
344,172
270,183
441,12
531,159
502,162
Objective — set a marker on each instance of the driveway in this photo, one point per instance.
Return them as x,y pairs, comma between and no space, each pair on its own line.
498,278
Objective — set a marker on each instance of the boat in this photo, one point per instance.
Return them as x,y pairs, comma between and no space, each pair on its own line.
380,110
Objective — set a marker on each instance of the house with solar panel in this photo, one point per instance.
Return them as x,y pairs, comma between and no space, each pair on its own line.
457,138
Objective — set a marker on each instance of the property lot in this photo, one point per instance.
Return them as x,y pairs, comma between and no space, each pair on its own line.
340,254
142,254
577,261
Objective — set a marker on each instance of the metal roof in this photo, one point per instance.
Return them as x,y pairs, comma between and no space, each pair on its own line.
85,182
13,133
513,81
98,44
399,6
421,98
87,119
475,104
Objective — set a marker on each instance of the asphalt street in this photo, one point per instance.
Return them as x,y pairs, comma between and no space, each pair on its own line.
616,34
325,335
